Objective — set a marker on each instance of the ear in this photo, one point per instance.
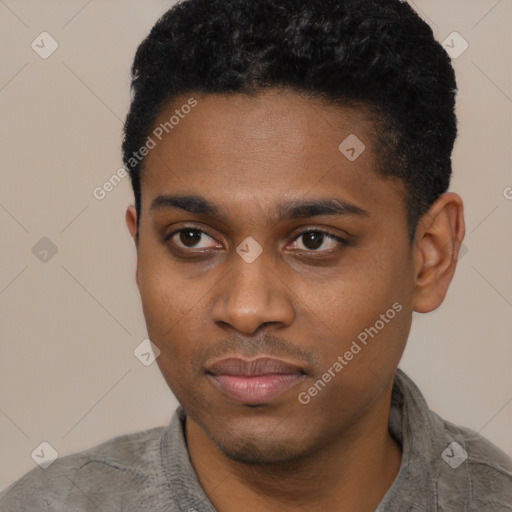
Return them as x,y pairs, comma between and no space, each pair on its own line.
437,241
131,222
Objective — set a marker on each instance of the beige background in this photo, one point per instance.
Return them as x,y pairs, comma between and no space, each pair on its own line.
69,326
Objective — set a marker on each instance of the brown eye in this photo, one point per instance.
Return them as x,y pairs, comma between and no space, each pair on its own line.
189,238
312,240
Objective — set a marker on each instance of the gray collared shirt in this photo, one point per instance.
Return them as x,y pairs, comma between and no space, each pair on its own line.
444,467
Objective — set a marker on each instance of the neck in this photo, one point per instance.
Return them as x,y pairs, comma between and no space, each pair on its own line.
351,472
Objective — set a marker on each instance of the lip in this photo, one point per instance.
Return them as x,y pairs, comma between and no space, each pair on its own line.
254,381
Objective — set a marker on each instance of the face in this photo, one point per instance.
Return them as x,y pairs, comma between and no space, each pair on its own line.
260,238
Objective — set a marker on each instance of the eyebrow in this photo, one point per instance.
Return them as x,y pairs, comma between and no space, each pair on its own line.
295,209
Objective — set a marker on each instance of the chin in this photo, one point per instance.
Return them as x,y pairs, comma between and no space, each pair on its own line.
263,448
255,453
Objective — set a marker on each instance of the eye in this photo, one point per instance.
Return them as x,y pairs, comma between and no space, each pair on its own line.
313,239
189,237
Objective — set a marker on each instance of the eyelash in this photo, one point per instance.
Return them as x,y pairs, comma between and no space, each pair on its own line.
341,241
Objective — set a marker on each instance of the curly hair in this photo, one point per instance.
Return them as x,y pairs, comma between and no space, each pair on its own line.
376,53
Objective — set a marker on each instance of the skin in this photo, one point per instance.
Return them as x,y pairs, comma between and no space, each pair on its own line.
299,301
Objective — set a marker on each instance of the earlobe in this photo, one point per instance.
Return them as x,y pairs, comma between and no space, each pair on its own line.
131,222
436,247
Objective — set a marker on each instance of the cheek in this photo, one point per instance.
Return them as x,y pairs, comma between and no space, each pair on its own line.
164,296
363,313
358,358
176,309
354,297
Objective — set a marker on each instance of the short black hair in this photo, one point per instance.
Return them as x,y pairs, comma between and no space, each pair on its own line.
375,53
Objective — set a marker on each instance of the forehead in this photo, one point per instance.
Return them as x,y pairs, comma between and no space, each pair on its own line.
258,149
246,123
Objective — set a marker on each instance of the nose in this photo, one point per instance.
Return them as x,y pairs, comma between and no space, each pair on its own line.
252,294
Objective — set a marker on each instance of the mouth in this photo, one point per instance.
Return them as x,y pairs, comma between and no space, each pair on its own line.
255,381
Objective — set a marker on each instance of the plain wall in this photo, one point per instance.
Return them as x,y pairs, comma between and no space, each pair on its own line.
69,325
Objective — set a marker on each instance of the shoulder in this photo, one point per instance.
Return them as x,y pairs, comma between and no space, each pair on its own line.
465,470
472,458
96,478
480,451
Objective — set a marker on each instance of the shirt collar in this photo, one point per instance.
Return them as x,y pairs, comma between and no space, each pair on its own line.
411,425
183,482
424,480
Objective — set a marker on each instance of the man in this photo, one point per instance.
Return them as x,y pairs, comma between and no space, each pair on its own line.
290,163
